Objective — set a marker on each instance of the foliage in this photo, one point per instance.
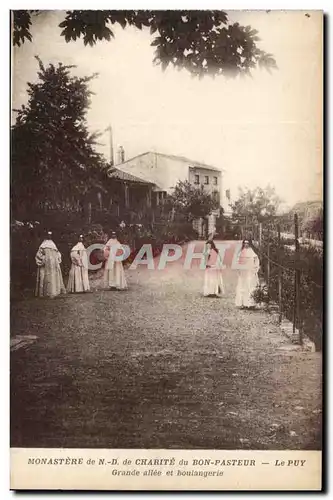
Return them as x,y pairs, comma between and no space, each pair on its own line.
310,219
225,229
287,241
202,41
157,236
21,26
260,295
310,264
314,227
53,156
222,226
26,238
175,232
191,201
256,205
66,228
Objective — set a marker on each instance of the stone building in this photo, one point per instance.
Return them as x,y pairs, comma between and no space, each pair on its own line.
163,171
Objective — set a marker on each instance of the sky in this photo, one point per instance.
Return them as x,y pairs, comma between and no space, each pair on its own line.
261,130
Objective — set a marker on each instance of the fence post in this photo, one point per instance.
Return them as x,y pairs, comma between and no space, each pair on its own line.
279,273
89,213
297,319
268,266
295,277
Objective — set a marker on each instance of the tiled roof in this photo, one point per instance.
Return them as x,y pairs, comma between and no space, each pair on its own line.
116,173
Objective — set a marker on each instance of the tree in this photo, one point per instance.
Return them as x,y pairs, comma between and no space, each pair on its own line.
315,226
53,155
257,205
190,201
202,41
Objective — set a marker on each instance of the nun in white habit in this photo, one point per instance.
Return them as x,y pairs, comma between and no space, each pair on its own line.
49,281
248,279
114,275
213,280
78,280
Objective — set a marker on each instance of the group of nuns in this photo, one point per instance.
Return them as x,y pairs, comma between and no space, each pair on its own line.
50,281
49,276
248,279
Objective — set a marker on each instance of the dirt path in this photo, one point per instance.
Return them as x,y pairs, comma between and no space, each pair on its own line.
160,366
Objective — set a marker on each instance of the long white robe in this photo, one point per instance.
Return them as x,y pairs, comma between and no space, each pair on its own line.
213,280
78,280
114,275
49,281
247,278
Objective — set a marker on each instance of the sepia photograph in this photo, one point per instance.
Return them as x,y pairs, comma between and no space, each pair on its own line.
166,249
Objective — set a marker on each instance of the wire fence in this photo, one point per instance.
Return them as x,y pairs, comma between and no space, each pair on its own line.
292,277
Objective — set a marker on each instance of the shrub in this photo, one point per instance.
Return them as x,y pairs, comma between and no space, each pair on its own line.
260,295
310,265
26,236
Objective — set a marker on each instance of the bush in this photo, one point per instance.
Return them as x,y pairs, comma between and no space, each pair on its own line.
25,241
261,295
26,236
310,265
160,234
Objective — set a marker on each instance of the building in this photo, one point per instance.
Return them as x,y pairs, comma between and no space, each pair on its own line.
163,171
130,195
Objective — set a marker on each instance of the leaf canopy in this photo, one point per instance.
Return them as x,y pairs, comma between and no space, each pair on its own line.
204,42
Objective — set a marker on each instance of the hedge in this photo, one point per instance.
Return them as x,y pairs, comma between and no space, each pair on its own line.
26,238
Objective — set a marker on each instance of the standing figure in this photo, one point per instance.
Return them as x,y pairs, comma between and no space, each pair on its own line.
213,281
49,277
248,279
78,280
114,275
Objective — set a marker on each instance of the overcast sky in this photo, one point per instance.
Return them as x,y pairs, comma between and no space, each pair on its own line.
267,129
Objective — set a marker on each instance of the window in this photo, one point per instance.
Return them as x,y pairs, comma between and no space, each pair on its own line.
215,181
196,179
206,179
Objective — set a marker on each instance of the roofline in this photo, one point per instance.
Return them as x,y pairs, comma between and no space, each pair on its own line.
195,163
135,178
181,158
133,158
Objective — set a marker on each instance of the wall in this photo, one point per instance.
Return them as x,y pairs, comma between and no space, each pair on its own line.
165,171
211,174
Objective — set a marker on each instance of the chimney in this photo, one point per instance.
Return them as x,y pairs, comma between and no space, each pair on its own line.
120,155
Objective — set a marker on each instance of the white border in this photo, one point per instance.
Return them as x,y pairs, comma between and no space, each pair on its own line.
325,5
